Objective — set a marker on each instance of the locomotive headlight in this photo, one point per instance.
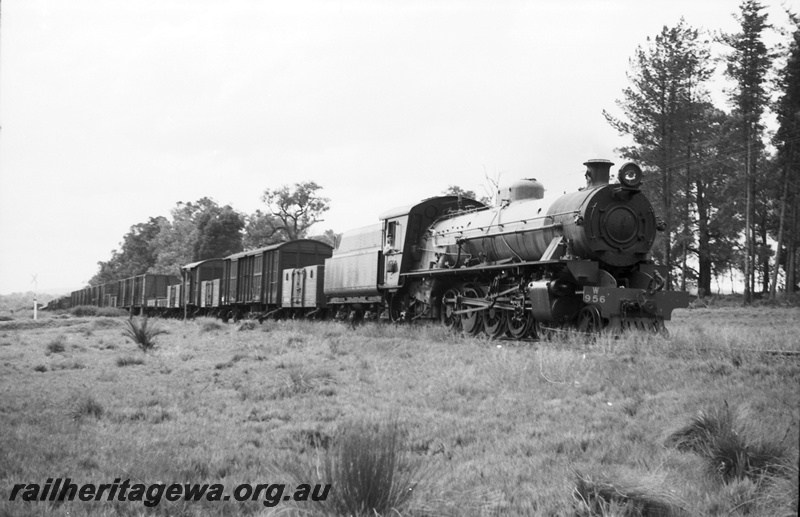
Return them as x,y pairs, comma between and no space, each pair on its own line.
630,175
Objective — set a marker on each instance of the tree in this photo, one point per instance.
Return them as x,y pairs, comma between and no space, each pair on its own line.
219,234
179,241
787,143
455,190
329,237
175,244
747,65
293,211
661,111
262,229
490,186
137,253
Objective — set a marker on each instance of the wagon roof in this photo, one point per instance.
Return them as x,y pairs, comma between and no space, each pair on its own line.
275,246
195,264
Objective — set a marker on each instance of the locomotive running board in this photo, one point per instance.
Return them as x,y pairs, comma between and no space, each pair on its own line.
460,271
586,272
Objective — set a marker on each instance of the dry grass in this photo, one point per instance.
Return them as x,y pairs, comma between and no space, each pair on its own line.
499,427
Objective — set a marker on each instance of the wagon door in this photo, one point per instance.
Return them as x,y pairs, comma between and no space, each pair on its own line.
233,269
258,279
312,288
298,287
272,277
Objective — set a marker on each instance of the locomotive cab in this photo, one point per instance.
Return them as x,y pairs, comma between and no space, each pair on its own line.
404,227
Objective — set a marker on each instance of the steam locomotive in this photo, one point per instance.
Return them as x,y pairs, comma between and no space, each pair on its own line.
523,268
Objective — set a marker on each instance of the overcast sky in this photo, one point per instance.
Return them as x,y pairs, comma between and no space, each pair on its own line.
113,111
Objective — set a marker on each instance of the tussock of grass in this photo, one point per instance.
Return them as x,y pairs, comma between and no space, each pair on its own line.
69,365
86,406
295,341
701,429
129,361
105,323
210,325
301,379
781,492
247,325
57,345
142,333
369,471
731,449
601,497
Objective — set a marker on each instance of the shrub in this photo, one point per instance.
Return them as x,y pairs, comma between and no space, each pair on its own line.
368,470
142,333
57,345
84,310
40,368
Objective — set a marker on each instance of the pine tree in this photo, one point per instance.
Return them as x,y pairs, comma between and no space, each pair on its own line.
787,142
748,65
661,107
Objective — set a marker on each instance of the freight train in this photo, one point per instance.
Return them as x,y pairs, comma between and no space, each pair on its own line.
526,267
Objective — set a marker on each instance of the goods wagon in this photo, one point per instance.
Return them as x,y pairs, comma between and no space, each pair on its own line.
302,292
252,280
200,287
144,294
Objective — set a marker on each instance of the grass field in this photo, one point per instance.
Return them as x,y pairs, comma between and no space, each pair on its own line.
701,423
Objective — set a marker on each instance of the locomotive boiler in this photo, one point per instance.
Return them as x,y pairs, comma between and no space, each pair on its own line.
528,265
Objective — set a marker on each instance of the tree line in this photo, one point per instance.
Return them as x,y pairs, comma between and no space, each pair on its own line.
727,186
202,230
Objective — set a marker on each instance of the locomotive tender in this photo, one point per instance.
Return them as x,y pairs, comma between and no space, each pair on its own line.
522,268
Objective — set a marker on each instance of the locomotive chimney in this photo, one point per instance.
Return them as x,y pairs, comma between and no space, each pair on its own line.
597,172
